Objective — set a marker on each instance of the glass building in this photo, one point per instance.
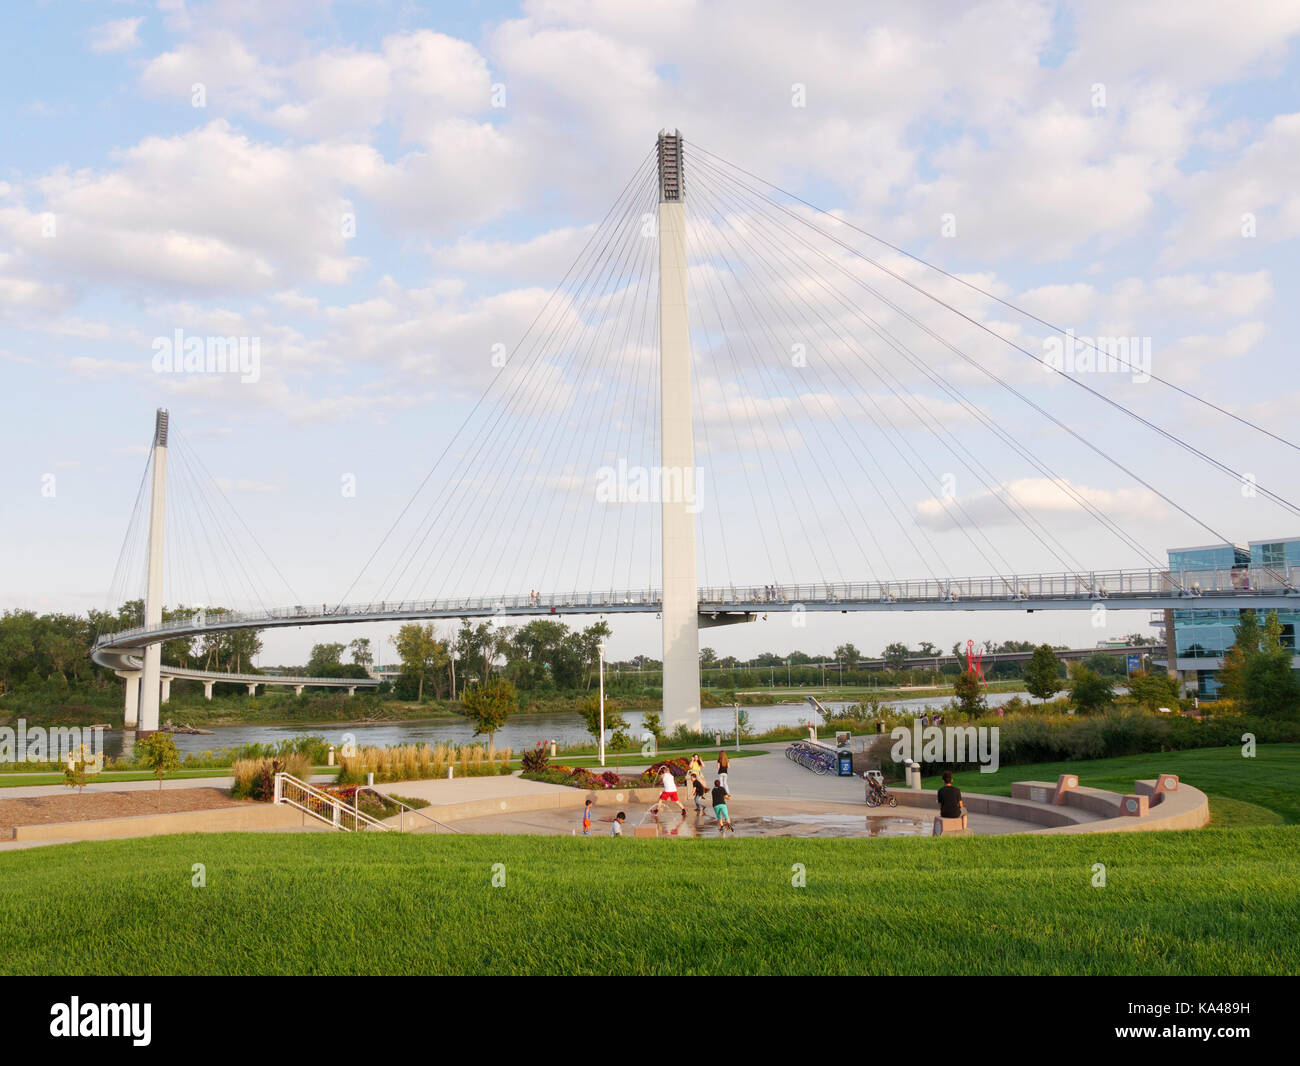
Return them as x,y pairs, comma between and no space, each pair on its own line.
1202,638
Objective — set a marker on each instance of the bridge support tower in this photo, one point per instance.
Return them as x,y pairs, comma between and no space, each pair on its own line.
151,677
679,489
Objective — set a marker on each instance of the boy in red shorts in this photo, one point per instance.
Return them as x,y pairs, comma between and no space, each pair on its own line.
669,793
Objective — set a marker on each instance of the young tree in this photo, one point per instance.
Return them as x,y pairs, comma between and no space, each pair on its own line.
1089,691
489,704
970,697
1043,673
158,753
361,653
590,710
1153,690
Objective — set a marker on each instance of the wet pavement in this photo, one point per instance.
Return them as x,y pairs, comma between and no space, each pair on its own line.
757,818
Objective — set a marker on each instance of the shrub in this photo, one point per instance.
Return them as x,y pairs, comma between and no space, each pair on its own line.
536,760
255,778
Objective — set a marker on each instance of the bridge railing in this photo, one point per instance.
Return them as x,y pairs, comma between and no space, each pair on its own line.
1095,585
1098,585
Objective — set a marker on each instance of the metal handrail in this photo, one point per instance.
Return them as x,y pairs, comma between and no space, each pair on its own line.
323,799
401,825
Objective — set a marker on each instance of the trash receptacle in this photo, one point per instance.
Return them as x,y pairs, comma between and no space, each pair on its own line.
880,727
846,762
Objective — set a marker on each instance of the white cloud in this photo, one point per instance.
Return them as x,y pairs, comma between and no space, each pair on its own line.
1045,498
120,35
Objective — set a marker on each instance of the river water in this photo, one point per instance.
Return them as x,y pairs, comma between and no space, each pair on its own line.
521,731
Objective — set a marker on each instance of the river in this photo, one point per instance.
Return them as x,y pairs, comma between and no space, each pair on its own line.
522,731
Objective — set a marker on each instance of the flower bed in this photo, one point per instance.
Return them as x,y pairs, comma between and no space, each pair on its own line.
579,777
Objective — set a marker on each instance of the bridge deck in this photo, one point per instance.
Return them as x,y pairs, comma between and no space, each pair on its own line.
1116,589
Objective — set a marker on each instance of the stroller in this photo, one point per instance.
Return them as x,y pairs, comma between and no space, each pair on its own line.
877,793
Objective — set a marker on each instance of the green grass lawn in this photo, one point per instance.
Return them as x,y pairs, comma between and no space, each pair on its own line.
1264,790
1174,903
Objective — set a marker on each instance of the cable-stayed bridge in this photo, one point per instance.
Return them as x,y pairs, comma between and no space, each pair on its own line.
760,325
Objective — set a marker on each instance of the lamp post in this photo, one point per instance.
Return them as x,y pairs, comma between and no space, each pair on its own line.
600,648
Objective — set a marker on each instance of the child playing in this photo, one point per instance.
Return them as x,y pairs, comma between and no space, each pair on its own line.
669,793
697,790
586,818
720,811
619,819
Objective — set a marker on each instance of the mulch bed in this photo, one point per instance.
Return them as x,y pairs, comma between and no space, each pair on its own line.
92,806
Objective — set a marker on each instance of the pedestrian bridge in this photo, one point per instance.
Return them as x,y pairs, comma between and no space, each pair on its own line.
1261,588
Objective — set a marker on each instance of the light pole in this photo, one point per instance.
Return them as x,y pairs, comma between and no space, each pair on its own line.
600,648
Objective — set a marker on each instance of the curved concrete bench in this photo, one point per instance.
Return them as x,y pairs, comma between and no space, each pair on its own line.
1066,807
981,803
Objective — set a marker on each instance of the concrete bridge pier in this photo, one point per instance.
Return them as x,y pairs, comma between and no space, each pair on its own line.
207,689
252,689
297,689
352,690
166,689
131,719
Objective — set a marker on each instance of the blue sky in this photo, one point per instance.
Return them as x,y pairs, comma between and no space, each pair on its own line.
1123,219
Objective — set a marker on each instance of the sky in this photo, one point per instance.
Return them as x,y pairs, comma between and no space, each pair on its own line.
384,196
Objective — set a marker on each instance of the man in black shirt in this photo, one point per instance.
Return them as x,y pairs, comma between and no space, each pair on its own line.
950,804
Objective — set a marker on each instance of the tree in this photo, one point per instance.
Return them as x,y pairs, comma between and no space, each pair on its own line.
970,697
928,649
489,704
325,660
590,710
1268,686
848,655
241,646
1153,690
422,654
1043,673
361,653
1089,691
157,752
896,654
